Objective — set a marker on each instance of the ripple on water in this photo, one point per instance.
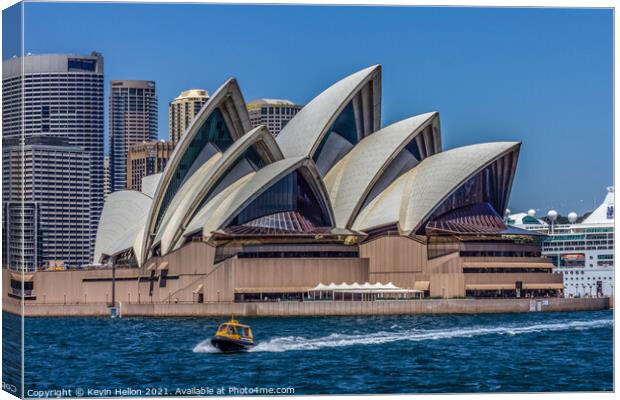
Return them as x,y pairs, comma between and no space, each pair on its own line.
391,354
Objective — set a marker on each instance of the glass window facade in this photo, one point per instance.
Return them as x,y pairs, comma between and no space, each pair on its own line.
251,156
57,101
485,188
343,126
478,189
133,120
78,64
214,131
291,193
413,148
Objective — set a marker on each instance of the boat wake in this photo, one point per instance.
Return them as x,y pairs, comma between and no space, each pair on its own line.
205,347
290,343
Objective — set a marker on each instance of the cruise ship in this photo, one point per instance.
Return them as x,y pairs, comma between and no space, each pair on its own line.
583,252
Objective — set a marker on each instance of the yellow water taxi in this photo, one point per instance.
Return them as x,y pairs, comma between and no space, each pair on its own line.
233,336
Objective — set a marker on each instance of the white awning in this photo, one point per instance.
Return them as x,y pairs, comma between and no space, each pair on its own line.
355,285
390,285
320,286
376,291
363,288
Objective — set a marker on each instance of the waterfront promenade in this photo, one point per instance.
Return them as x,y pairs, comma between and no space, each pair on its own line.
314,308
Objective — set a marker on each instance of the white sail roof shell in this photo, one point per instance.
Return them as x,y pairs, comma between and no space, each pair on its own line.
365,185
150,183
225,206
189,197
229,98
182,197
415,195
123,216
304,132
352,178
218,205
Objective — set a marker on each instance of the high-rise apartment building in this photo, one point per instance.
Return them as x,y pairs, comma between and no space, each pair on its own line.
273,113
60,96
45,186
145,159
133,119
182,111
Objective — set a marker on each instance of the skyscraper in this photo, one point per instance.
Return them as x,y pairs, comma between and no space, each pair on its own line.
61,96
46,194
133,119
182,111
145,159
273,113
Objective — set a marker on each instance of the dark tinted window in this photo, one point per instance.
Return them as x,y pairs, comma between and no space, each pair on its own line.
343,126
215,131
291,193
77,64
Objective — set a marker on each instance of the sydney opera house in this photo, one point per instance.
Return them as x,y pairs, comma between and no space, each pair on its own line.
238,215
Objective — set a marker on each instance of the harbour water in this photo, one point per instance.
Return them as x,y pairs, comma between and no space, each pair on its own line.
535,352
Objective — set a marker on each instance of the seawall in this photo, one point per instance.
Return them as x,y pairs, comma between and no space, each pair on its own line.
315,308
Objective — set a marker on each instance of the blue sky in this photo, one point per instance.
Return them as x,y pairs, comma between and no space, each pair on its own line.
541,76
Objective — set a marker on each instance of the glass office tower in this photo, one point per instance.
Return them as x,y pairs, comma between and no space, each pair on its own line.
133,119
59,95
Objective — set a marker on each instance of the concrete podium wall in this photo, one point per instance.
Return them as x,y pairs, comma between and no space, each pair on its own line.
316,308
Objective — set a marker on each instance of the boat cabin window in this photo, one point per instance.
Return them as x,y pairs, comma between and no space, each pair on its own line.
231,330
235,330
